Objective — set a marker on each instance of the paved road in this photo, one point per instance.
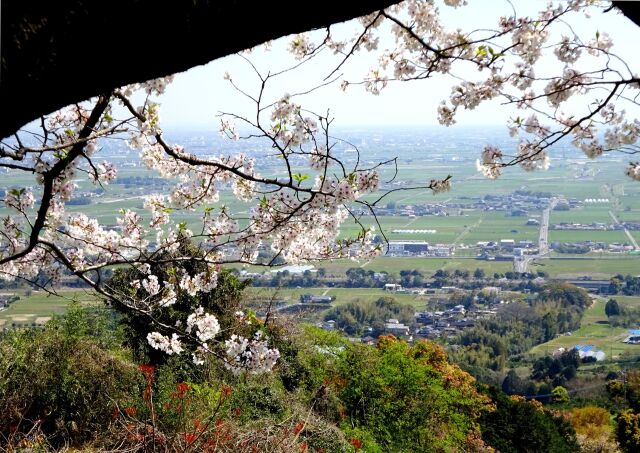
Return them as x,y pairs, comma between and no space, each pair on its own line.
543,239
629,235
521,264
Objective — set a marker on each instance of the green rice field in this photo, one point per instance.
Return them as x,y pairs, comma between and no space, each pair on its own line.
38,307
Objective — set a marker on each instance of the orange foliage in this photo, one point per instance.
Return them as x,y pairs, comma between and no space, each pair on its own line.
591,421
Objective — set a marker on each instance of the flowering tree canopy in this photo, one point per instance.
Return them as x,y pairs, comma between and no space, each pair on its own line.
296,215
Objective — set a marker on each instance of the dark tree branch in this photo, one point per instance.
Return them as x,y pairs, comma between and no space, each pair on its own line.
119,42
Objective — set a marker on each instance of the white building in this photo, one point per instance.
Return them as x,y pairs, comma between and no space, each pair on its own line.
588,350
392,287
395,327
507,243
408,247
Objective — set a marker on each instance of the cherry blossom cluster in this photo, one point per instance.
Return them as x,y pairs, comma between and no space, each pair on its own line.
153,287
633,170
104,173
318,158
253,356
203,281
169,345
301,46
490,161
19,200
288,124
206,325
151,87
202,329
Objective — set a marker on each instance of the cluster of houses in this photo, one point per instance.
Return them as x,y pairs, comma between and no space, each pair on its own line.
438,324
516,204
443,290
596,226
449,323
418,210
427,324
505,249
592,246
394,327
315,299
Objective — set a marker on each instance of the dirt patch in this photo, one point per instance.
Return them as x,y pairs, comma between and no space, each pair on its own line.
22,318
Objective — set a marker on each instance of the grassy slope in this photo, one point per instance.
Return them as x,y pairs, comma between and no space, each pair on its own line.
595,330
343,295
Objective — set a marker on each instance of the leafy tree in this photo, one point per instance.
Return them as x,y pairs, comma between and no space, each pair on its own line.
627,389
628,431
478,273
512,384
403,396
569,294
556,369
521,426
625,393
361,278
442,273
612,308
560,394
615,285
223,301
571,358
569,372
594,429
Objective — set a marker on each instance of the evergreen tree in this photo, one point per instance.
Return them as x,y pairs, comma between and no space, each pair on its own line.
612,308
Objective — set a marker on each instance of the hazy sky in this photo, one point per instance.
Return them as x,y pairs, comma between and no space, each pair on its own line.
196,96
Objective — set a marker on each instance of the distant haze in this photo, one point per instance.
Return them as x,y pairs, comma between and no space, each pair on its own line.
198,95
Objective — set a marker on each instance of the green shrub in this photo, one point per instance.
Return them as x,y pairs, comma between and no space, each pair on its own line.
518,426
61,380
409,397
628,431
255,401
